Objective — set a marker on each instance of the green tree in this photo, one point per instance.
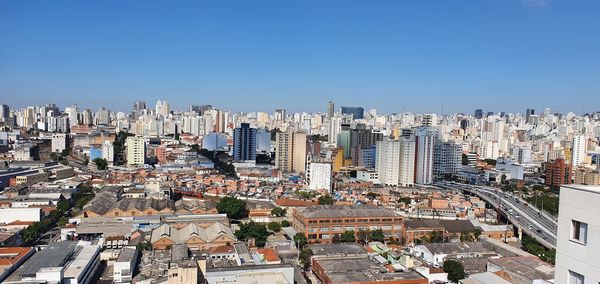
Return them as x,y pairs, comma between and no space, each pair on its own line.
326,200
253,230
465,160
274,226
348,237
144,246
300,240
278,212
285,223
377,235
101,163
503,179
305,256
233,207
455,270
63,206
477,233
435,237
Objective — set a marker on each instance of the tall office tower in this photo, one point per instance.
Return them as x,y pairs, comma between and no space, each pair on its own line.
426,138
479,113
108,151
4,112
335,126
163,108
59,142
280,115
367,157
408,145
528,113
87,117
343,139
103,116
263,141
577,247
318,174
330,109
136,150
464,124
290,155
387,162
356,112
244,143
579,150
447,159
139,106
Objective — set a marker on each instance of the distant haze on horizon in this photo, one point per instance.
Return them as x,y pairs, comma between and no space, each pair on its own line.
245,56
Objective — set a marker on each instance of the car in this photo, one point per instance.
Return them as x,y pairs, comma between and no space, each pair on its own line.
530,227
539,231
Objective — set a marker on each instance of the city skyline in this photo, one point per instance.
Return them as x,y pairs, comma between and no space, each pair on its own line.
400,56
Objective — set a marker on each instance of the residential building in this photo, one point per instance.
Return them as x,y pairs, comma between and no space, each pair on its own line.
318,174
136,150
290,155
586,176
59,142
426,138
578,235
579,150
558,172
447,159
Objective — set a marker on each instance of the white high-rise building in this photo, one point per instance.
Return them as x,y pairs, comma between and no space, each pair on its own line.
103,116
59,142
136,150
406,177
108,151
579,150
426,138
578,238
162,108
387,161
318,174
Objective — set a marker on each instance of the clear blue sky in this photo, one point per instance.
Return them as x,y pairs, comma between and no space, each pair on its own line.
260,55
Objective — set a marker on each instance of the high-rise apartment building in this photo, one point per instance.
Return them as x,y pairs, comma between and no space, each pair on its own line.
579,150
103,116
162,108
108,151
447,159
136,150
558,172
244,143
425,137
318,174
528,113
577,247
388,162
4,112
290,155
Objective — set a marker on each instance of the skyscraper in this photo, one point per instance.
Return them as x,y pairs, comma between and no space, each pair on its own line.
330,109
136,150
356,112
447,159
579,150
426,138
528,113
478,113
244,143
103,117
4,111
290,155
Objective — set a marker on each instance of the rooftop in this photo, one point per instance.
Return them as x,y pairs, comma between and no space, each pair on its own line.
527,267
339,211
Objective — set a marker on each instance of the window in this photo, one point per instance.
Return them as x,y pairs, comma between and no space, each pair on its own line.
575,278
579,232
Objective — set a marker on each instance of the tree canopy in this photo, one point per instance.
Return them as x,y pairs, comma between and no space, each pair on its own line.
300,239
101,163
455,270
253,230
326,200
348,237
278,212
233,207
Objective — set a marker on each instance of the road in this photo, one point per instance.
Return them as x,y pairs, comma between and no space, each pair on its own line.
531,220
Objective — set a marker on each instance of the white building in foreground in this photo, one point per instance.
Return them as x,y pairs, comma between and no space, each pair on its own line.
578,242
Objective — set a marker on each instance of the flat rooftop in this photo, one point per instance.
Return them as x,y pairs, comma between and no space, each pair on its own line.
589,188
362,270
337,249
54,255
344,211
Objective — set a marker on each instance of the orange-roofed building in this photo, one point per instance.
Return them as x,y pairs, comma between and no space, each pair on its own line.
11,258
269,255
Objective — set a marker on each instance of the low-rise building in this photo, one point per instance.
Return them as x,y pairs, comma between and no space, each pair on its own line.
124,266
192,235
